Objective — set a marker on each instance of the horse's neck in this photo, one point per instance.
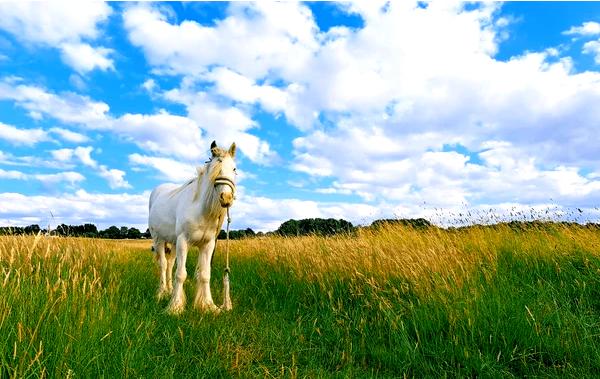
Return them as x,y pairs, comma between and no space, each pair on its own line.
206,200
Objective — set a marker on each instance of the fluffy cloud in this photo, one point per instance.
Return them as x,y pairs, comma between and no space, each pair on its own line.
69,135
398,107
590,28
170,169
32,161
83,57
253,39
75,208
61,25
593,47
69,177
69,108
114,177
12,174
226,124
164,133
28,137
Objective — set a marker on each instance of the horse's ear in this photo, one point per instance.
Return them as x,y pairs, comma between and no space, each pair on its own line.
213,148
232,150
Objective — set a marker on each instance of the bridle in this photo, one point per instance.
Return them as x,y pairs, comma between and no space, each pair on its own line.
225,181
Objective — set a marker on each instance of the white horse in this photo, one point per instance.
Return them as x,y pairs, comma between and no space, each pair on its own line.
191,214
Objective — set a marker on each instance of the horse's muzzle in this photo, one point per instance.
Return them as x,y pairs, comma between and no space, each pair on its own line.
226,198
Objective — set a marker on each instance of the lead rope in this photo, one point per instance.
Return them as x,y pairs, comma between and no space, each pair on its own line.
226,298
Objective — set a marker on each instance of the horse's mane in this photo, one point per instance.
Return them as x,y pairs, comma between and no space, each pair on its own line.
200,175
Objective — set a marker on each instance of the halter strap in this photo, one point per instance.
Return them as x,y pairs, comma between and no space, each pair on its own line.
223,180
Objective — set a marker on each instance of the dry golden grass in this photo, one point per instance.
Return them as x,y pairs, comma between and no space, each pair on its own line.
391,300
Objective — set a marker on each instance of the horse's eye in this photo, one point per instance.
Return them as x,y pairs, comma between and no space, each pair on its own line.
235,171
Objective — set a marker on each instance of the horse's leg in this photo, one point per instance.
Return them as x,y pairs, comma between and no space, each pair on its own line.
204,300
159,254
170,254
178,300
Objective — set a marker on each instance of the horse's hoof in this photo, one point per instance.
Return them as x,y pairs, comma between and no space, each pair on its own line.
162,294
175,309
210,308
225,307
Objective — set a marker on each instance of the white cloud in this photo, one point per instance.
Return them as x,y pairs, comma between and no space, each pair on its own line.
84,155
149,85
226,124
62,25
28,137
53,23
164,133
593,47
170,169
69,135
62,155
240,88
32,161
12,174
114,177
67,107
395,106
590,28
70,177
254,39
84,58
75,208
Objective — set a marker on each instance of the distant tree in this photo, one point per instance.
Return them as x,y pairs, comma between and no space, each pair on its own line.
236,234
289,228
111,232
319,226
134,233
32,229
417,223
146,233
62,230
90,230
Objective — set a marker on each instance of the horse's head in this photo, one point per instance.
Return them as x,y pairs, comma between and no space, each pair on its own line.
223,173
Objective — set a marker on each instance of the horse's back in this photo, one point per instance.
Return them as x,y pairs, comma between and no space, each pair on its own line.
162,212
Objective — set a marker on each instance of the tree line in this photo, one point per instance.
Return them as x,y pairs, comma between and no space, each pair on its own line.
290,228
85,230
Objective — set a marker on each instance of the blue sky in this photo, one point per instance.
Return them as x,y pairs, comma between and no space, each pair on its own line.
355,110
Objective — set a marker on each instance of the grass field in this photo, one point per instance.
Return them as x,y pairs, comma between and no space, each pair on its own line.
393,302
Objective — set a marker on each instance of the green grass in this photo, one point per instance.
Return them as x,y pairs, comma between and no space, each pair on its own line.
486,302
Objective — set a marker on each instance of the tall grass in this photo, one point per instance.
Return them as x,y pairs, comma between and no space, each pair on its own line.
483,301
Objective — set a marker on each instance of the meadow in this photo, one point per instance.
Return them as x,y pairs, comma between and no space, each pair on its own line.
486,301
